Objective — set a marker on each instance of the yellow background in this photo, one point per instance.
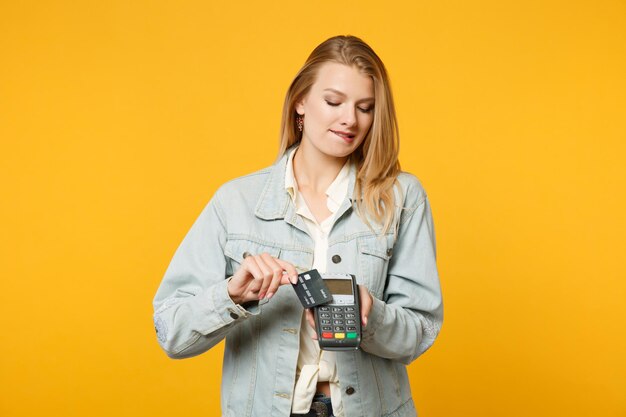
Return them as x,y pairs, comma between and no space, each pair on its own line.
119,119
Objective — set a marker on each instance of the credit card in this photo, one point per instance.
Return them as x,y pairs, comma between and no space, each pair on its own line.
311,289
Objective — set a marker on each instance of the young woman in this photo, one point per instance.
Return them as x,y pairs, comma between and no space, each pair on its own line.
336,201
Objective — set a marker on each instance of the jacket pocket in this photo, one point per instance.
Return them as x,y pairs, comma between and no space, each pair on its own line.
237,249
374,255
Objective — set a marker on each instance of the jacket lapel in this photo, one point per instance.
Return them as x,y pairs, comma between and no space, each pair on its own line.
275,204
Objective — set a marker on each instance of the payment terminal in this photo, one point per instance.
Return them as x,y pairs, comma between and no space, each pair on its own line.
338,322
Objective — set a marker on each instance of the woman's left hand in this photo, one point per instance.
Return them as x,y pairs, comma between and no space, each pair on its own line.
365,299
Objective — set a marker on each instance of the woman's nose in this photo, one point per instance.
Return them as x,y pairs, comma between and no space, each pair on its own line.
349,116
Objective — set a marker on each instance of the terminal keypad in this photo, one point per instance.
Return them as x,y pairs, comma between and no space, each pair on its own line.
343,324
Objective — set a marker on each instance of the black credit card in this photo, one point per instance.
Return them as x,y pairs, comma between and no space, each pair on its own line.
311,289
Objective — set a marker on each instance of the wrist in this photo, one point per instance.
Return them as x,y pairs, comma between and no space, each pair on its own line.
232,293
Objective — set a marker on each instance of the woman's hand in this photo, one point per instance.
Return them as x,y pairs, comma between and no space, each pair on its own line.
258,277
365,299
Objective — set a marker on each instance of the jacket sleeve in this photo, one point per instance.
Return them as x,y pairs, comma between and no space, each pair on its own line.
406,322
192,309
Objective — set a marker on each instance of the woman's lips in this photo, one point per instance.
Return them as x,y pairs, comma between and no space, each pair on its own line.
345,136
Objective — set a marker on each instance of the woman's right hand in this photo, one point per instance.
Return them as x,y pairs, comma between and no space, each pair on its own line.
258,277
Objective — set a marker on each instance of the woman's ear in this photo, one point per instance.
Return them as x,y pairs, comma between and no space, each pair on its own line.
300,106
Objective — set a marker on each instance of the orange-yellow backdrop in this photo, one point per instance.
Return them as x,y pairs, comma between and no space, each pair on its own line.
119,120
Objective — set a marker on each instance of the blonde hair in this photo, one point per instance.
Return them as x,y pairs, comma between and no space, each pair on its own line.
376,159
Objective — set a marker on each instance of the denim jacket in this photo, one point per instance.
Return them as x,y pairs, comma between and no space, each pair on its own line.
254,214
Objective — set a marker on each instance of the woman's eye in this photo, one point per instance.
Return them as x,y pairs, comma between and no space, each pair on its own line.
362,110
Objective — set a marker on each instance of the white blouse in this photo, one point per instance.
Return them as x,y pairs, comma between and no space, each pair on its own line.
314,364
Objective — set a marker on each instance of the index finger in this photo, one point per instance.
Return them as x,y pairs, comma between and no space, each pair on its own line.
291,270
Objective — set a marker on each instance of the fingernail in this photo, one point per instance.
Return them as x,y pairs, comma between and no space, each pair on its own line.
364,321
261,296
294,279
269,295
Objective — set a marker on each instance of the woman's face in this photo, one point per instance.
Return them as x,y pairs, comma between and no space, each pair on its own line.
338,110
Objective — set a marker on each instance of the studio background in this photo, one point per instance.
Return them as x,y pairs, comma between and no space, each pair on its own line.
118,121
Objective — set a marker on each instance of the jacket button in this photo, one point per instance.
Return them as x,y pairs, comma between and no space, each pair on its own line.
246,254
234,315
336,259
389,252
350,390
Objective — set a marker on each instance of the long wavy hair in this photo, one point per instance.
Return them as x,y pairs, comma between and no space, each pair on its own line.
376,159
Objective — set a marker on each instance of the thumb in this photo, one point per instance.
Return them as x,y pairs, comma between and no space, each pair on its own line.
366,303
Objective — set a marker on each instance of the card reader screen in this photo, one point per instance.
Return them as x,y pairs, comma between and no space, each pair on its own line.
339,286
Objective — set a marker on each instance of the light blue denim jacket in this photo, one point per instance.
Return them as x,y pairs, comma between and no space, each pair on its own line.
254,214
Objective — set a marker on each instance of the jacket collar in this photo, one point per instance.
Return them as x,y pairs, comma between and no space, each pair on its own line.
275,203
